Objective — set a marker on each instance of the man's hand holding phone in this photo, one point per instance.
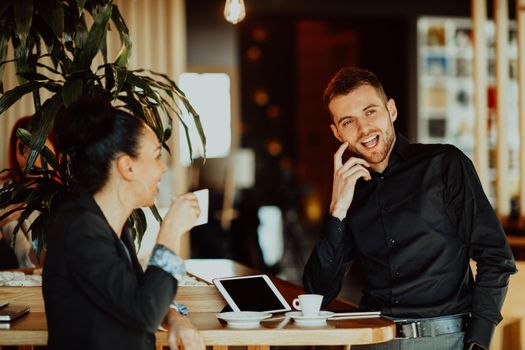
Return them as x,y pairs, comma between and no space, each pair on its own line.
345,178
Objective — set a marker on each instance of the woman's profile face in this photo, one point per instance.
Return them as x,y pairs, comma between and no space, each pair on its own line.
148,167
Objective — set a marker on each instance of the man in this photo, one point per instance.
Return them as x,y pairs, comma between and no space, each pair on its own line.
415,215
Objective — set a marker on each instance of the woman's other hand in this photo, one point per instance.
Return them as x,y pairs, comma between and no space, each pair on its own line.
182,334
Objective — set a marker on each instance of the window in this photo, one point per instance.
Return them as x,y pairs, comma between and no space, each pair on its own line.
209,94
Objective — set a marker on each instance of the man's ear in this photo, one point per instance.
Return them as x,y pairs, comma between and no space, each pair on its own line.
392,109
336,132
125,167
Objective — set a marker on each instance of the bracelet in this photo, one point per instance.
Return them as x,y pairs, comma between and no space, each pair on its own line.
182,309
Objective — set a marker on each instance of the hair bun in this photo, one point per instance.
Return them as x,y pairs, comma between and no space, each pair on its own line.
84,123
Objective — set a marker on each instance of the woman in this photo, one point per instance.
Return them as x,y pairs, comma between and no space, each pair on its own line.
20,254
96,294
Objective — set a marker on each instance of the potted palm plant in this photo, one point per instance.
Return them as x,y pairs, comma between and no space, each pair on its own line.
55,44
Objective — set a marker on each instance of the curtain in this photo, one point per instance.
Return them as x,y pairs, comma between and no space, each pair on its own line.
158,33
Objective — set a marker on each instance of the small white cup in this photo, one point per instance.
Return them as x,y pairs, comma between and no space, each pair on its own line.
309,304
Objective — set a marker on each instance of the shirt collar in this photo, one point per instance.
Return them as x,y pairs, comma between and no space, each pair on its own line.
400,151
401,147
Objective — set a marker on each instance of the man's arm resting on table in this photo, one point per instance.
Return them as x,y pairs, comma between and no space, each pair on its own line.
327,264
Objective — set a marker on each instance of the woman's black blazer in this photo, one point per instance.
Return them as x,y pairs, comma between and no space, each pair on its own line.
96,295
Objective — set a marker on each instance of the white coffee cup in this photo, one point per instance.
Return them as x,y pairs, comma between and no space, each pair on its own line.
202,198
309,304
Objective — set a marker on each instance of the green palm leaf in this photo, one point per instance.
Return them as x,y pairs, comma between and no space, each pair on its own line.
52,12
3,53
42,122
125,50
23,10
25,137
72,43
96,36
16,94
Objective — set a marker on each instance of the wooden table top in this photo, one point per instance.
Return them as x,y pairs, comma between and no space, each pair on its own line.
32,329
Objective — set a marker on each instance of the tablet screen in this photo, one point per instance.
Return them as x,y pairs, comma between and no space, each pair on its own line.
251,293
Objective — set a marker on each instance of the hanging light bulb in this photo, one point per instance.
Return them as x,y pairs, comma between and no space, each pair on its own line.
234,11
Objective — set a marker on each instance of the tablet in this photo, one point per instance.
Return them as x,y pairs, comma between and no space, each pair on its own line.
251,293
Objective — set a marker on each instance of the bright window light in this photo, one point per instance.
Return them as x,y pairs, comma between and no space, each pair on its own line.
209,94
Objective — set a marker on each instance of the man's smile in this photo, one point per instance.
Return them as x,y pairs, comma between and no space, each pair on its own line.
371,141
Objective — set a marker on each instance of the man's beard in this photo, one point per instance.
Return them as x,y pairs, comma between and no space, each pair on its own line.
387,139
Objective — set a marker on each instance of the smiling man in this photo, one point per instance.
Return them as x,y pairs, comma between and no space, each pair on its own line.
415,215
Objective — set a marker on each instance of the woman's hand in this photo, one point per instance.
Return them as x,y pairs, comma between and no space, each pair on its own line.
182,333
180,218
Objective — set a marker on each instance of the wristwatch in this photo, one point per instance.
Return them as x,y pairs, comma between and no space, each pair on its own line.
182,309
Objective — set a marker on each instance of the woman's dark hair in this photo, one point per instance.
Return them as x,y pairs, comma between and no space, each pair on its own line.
92,134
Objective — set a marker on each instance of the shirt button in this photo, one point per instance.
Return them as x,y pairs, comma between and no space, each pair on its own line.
397,274
392,241
396,301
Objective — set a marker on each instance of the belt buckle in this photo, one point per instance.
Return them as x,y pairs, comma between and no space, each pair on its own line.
411,329
416,329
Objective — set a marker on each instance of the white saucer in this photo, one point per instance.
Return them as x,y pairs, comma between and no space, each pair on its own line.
243,319
310,321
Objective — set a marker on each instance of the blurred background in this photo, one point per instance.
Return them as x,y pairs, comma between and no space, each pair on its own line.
278,60
257,86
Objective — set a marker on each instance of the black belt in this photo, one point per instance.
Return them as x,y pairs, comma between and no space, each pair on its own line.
430,327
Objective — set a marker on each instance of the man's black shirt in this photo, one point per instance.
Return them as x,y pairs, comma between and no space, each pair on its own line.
415,227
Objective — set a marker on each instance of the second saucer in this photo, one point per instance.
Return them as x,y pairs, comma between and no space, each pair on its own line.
309,321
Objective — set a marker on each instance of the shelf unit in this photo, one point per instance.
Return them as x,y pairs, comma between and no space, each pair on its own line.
446,88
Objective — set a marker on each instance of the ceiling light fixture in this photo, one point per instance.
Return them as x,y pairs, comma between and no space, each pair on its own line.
234,11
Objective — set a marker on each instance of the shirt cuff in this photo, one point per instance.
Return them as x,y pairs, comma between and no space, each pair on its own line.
479,331
335,229
165,259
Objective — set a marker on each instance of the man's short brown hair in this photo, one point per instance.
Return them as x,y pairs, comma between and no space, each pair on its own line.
348,79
